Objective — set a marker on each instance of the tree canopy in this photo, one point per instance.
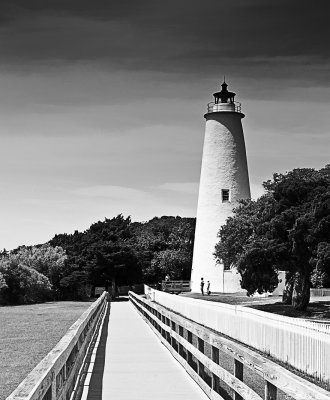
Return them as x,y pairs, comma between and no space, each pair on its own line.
110,252
165,247
287,229
20,280
98,256
118,251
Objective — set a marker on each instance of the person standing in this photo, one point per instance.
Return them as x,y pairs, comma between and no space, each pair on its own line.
208,291
166,284
202,286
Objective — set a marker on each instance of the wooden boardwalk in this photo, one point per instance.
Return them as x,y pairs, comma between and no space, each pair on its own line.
131,363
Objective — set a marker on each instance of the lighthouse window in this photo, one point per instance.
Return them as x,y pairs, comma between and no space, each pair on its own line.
225,195
226,267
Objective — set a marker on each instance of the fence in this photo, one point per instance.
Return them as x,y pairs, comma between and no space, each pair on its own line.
123,290
176,286
55,376
304,345
320,292
200,350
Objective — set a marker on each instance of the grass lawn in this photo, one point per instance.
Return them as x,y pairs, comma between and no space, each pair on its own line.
28,333
318,309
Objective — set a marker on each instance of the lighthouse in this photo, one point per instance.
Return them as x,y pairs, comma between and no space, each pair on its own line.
224,181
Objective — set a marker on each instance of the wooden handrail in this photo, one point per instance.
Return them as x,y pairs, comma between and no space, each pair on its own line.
54,377
169,327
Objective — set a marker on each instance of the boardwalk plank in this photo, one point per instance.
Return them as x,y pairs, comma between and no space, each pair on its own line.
137,366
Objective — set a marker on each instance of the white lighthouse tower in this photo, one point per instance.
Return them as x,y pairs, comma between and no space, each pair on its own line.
224,180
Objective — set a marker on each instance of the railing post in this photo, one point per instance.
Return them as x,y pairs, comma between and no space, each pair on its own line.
163,330
216,359
173,341
238,372
53,387
182,351
200,366
189,355
270,391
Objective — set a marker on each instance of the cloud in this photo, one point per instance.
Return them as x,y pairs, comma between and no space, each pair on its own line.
112,192
181,187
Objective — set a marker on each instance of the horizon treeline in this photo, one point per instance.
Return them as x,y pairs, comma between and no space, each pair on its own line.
115,251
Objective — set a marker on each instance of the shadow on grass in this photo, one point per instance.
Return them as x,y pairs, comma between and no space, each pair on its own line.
316,310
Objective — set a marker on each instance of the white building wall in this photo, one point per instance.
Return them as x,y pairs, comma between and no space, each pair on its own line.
224,166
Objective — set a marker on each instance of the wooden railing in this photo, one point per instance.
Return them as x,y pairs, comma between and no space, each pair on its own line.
305,345
199,349
176,286
54,378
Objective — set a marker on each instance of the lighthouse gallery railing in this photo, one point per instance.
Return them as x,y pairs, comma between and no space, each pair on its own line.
221,107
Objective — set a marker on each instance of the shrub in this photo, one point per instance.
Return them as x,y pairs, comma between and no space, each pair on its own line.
22,284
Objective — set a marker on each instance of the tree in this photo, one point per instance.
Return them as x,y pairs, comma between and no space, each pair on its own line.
164,246
286,229
321,272
117,250
46,259
100,255
22,284
74,285
3,286
175,263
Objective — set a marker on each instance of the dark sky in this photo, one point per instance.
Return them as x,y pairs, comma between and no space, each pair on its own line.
250,37
102,102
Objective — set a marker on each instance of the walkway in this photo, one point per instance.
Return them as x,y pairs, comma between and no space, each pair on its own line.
136,365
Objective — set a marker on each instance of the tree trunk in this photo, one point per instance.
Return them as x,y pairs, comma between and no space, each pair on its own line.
301,290
287,292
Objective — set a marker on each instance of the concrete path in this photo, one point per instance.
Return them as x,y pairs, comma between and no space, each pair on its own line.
137,366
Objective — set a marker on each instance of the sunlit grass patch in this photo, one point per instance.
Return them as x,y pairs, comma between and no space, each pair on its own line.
28,333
